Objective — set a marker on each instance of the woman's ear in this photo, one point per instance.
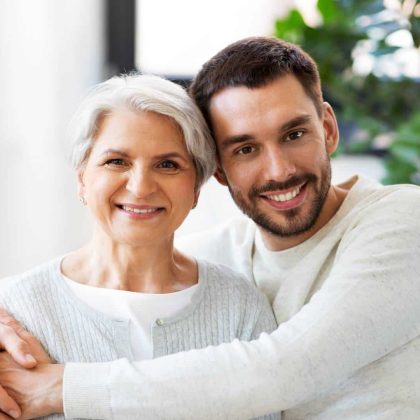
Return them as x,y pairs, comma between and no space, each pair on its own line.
220,175
330,128
196,196
80,184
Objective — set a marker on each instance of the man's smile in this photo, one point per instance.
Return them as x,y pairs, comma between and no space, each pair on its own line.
287,199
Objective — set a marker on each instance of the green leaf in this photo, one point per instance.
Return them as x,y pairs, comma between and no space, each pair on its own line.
384,50
406,153
290,28
328,10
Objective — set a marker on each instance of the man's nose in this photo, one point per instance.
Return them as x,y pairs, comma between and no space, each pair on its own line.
141,182
278,165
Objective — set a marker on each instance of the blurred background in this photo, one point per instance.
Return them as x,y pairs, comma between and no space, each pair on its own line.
53,51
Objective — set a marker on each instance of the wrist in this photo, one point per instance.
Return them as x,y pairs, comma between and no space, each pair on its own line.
52,395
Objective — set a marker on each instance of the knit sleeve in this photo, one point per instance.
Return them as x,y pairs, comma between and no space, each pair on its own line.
265,321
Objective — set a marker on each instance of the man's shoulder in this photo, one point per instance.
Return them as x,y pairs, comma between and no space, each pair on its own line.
369,200
229,243
393,201
218,239
385,218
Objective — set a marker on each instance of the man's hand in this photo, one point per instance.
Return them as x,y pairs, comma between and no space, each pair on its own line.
24,348
38,391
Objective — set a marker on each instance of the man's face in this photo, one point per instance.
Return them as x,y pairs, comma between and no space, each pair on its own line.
274,153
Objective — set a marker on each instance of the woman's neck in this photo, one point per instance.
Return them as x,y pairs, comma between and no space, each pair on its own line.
150,268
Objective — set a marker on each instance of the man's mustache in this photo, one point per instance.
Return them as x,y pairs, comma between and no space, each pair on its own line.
275,185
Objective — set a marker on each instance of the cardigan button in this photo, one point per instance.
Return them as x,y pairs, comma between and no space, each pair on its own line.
159,322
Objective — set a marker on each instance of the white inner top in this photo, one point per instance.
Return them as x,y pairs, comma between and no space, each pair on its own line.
143,310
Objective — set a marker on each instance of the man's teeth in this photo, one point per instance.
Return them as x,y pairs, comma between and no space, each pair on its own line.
285,197
139,211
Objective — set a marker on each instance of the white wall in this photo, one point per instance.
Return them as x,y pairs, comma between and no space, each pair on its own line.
176,37
50,52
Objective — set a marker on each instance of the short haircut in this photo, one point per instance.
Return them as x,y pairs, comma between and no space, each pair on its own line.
143,93
255,62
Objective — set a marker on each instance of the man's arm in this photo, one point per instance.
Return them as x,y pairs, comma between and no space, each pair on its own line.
367,308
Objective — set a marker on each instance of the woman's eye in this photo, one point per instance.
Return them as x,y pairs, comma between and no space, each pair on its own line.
245,150
295,135
168,164
115,162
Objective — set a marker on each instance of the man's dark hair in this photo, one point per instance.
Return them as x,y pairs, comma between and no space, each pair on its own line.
254,62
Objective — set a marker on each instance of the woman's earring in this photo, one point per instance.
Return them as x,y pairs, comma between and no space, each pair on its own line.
194,205
82,200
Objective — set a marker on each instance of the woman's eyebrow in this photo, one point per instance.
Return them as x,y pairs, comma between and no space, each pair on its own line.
171,155
120,152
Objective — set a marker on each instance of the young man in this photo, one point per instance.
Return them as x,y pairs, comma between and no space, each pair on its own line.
340,265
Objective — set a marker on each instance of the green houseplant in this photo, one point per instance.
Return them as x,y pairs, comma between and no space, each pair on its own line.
367,105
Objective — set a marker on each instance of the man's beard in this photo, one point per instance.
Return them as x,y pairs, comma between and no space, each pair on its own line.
296,223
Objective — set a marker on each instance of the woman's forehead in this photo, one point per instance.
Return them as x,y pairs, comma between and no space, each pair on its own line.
126,130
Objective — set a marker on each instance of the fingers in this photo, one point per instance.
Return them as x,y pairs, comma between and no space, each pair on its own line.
19,343
8,320
14,339
8,405
16,347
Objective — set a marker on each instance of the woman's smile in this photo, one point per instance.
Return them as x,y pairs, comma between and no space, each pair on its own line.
140,212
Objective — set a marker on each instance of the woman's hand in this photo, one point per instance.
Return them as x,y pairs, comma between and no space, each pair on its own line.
37,391
24,348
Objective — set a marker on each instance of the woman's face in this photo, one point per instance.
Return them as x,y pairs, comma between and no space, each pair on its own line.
139,180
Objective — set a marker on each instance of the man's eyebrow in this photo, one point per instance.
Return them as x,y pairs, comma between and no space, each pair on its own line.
242,138
232,140
295,122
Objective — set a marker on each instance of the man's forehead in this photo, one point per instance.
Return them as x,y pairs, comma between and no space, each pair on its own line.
281,85
241,110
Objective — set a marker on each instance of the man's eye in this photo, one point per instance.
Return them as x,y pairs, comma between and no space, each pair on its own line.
168,164
245,150
295,135
115,162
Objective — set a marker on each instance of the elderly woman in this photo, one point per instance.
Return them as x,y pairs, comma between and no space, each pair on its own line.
141,153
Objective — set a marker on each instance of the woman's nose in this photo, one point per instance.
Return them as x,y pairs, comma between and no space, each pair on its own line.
141,183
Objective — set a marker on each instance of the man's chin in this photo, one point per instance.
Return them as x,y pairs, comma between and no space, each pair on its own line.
293,227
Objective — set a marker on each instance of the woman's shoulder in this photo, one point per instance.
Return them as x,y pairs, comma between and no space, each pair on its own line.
37,276
221,277
238,296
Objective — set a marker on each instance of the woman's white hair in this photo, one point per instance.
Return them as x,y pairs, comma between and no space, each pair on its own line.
144,93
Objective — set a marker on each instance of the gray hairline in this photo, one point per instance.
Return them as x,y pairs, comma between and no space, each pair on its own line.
112,94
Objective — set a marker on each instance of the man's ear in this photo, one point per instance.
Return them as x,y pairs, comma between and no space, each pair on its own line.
220,175
330,128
